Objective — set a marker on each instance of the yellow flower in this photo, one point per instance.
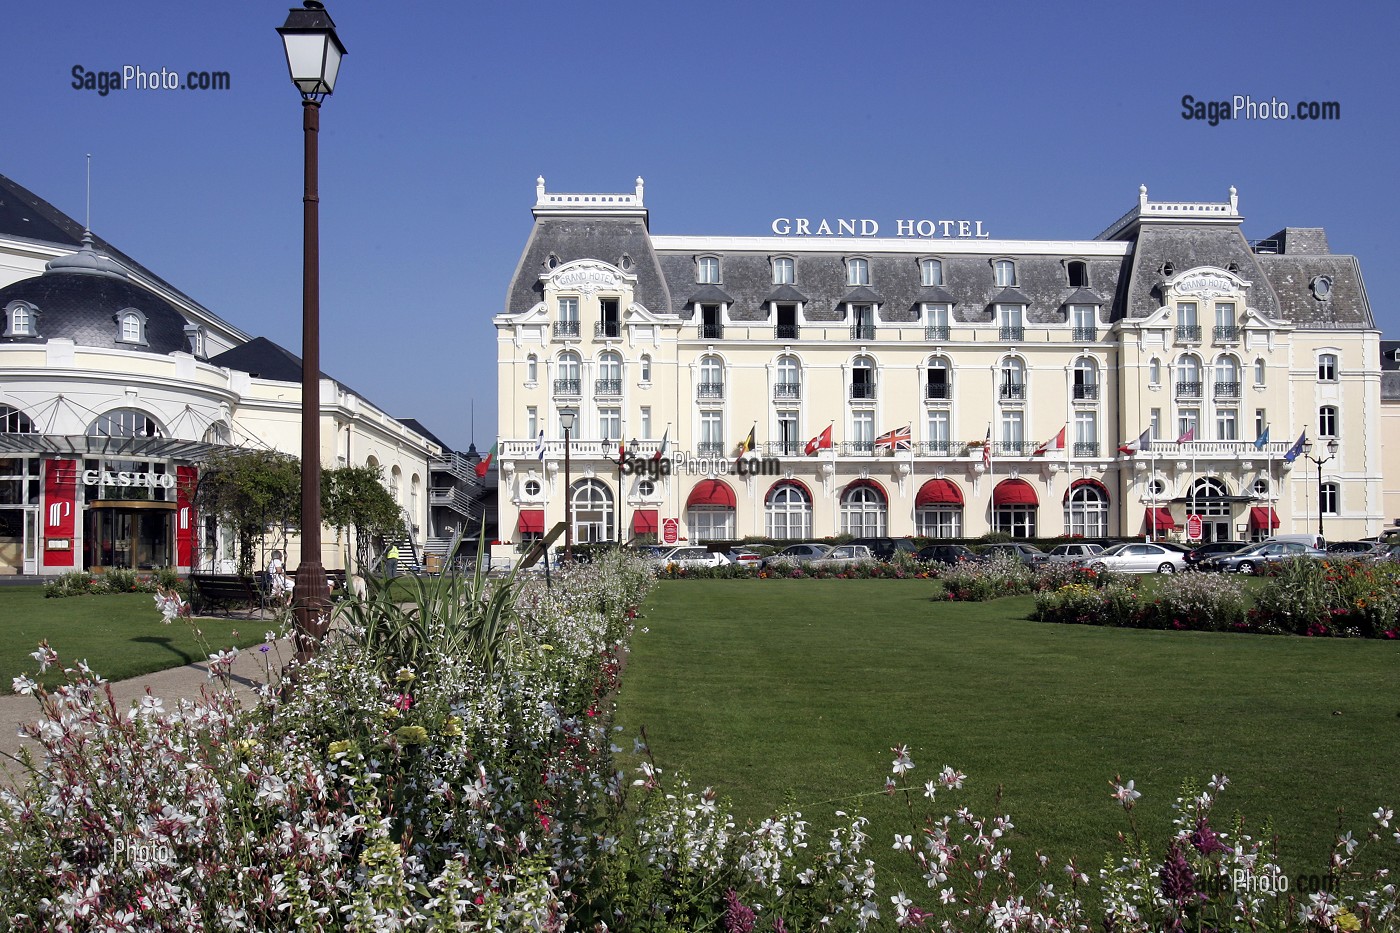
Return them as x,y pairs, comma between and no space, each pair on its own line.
412,735
405,676
453,726
1348,921
546,647
246,745
341,747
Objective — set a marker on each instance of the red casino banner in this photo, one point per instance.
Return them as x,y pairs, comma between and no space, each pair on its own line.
60,512
185,479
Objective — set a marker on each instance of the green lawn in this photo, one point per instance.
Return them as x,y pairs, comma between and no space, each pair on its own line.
119,636
795,690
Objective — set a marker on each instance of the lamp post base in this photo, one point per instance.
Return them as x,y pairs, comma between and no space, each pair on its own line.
311,609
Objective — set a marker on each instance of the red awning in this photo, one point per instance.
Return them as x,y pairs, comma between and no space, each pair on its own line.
866,484
1160,519
938,492
644,522
531,521
1103,490
1263,518
711,492
1014,492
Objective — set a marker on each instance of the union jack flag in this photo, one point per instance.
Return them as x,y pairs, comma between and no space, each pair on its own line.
898,439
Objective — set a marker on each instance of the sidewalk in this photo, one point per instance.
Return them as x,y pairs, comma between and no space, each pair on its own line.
171,685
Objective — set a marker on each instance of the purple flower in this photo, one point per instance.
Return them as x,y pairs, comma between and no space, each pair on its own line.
1205,840
737,917
1178,880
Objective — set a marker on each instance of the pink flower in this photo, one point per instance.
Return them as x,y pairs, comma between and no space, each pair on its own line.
403,702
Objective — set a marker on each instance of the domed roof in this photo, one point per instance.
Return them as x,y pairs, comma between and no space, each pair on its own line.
81,297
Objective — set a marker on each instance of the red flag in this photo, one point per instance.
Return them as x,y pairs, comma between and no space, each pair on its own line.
1055,443
484,465
821,442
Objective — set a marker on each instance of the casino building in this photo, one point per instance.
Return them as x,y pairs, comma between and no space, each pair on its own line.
920,377
115,387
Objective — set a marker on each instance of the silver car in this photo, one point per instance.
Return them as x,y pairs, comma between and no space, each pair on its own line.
842,555
1075,553
797,553
1140,557
1250,559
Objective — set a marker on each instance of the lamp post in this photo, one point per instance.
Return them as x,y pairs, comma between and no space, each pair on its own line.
313,58
566,419
1319,461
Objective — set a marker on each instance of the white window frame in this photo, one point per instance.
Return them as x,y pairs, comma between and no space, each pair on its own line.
857,271
787,512
707,270
784,270
1328,417
931,272
1327,367
1004,271
864,512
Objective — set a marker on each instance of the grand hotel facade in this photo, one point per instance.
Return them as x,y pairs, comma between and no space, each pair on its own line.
1027,373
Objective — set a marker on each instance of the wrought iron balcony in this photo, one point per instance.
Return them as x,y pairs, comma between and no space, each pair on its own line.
1017,334
938,390
1188,390
605,329
863,390
709,390
786,331
711,331
1084,334
1012,390
1086,392
1086,448
568,387
858,448
787,390
607,387
1188,332
934,448
1227,390
1226,333
862,331
936,332
710,449
1013,448
566,328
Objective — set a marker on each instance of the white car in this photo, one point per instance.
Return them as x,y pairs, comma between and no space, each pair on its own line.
690,556
1139,558
842,555
1074,553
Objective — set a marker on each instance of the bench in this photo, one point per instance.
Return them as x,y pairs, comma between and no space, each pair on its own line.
218,590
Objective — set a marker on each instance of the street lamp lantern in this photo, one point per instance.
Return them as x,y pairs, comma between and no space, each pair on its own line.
313,58
313,49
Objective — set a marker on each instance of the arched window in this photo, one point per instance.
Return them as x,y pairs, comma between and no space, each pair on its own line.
131,326
217,433
710,511
1012,379
940,378
931,272
1327,421
1327,367
1014,508
1227,370
789,385
14,421
1086,510
707,270
415,487
1260,367
938,509
125,422
1188,377
863,510
395,482
1077,271
21,321
532,369
1086,379
784,270
862,378
1154,372
592,503
711,378
788,509
569,370
645,375
609,373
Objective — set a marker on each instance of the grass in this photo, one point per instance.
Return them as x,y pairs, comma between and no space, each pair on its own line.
777,691
120,635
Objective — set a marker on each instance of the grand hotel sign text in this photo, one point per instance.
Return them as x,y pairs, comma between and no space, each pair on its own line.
864,226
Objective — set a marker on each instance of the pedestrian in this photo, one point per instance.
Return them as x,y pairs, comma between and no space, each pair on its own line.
391,560
278,583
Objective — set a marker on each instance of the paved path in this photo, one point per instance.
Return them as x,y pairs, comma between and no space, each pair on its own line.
170,685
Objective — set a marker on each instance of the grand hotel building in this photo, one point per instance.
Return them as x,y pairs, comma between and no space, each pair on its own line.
1170,324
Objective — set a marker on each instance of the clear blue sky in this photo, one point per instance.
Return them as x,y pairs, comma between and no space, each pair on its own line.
1040,119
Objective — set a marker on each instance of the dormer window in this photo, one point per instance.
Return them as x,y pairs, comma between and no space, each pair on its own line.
131,327
21,320
1005,273
1077,271
784,270
931,272
857,272
195,335
707,270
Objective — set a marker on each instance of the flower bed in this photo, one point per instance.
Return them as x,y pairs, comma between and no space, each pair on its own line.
116,580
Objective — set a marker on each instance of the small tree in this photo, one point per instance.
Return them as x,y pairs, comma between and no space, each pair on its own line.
250,491
354,498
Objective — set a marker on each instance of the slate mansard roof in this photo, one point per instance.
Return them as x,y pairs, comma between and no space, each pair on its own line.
1127,266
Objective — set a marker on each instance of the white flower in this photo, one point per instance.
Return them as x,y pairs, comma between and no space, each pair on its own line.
930,789
902,762
1383,816
951,779
1125,793
903,843
24,685
1346,841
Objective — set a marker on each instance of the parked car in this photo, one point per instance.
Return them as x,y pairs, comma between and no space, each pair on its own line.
797,553
947,554
886,548
1250,559
1195,556
842,555
745,556
693,556
1351,548
1317,542
1140,557
1076,553
1025,553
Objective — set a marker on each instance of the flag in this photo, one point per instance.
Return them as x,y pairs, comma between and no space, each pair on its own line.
821,442
898,439
987,449
483,466
1262,439
539,446
1055,443
1143,442
746,445
1188,437
665,442
1297,448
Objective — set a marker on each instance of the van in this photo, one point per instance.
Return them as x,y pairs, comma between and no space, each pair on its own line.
1316,541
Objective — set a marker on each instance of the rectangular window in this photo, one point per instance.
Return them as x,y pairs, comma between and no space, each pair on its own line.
863,430
939,522
1011,316
1083,325
712,434
937,317
1225,314
1186,314
532,422
857,272
931,271
1156,423
1261,421
646,422
1330,496
1327,421
1226,424
1327,368
1086,433
1187,420
568,309
784,272
707,270
939,431
789,442
1006,273
1013,431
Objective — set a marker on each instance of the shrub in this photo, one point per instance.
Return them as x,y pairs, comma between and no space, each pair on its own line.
1003,575
1196,601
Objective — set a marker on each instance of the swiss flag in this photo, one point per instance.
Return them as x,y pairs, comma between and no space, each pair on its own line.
821,442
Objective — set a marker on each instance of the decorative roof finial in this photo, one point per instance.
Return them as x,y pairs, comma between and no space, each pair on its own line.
539,188
1142,197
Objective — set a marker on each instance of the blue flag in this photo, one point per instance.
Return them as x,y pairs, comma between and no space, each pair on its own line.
1297,448
1262,439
